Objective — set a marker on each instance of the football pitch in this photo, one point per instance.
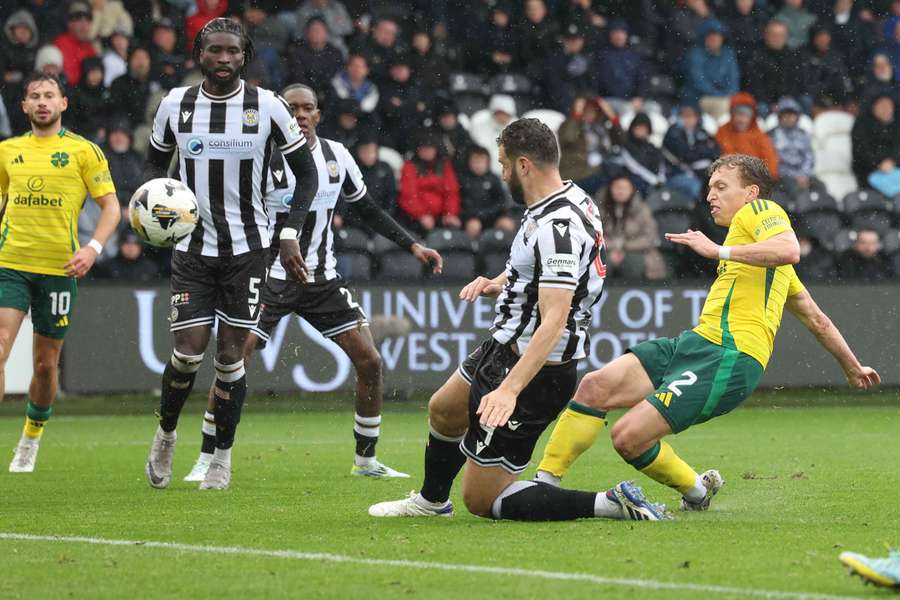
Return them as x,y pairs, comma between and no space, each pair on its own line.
803,483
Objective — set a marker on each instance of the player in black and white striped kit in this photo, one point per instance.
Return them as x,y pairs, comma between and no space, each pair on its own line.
225,132
492,411
323,300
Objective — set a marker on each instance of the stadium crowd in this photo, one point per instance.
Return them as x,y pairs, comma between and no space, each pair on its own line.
643,94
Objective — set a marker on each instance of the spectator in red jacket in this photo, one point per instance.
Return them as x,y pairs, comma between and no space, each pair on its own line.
76,43
207,10
429,190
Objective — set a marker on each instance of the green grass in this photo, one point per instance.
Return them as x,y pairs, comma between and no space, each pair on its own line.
802,483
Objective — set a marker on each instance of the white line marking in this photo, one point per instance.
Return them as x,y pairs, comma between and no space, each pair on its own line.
416,564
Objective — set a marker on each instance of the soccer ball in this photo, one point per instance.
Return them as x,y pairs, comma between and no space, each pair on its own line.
163,212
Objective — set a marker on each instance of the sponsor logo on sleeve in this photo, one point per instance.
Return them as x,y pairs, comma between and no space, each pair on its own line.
558,264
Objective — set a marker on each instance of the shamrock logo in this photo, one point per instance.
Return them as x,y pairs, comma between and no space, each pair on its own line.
59,159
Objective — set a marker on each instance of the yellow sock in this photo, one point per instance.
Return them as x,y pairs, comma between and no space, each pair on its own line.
35,419
575,432
661,464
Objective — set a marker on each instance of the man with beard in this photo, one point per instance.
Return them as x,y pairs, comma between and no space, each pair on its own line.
224,130
44,178
516,383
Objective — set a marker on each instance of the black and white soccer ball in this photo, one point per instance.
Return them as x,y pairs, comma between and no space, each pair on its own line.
163,212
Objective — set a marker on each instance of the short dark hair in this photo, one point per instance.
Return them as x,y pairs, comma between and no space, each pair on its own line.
530,138
39,76
223,25
751,171
300,86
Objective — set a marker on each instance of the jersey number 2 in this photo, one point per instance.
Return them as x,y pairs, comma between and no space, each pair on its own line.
689,379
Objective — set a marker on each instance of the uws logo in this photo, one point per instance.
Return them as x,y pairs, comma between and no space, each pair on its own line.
195,146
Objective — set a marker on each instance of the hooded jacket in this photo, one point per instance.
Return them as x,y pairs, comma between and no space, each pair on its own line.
19,57
711,74
753,141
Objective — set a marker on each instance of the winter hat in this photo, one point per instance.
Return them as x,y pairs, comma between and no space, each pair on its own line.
48,55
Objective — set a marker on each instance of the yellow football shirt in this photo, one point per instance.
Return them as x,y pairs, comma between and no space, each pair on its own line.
745,304
44,182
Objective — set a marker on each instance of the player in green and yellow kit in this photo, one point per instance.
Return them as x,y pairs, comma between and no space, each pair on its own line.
669,384
45,176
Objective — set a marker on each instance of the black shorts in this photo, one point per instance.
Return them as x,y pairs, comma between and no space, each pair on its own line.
510,446
208,287
328,306
467,367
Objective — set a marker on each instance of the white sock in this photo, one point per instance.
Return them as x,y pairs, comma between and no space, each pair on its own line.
547,477
604,507
166,435
223,457
696,493
418,499
363,461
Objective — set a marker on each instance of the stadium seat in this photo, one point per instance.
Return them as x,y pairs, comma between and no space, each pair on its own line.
664,200
813,201
841,242
832,148
393,158
661,86
394,264
672,222
350,239
818,213
457,250
890,243
469,91
867,209
493,249
354,256
550,118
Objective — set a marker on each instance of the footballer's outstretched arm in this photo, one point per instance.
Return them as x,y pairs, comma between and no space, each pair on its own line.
813,318
303,166
382,223
778,250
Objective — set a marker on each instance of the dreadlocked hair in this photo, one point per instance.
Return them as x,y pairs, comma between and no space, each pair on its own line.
223,25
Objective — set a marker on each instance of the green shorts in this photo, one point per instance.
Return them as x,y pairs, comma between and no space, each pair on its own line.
49,297
696,380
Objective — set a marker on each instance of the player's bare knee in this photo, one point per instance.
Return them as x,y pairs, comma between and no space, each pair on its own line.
368,365
445,417
623,440
595,391
476,502
45,365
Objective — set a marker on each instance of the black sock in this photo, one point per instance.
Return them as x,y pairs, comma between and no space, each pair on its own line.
443,460
533,501
229,400
365,445
366,431
209,433
176,387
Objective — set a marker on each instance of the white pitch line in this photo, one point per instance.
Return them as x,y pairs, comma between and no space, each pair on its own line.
416,564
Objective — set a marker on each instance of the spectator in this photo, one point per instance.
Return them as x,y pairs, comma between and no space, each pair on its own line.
353,82
130,93
892,44
49,60
798,21
453,136
492,50
816,262
125,165
484,199
333,14
130,265
345,125
569,72
5,128
879,81
207,10
775,68
380,182
430,68
796,162
824,72
89,101
402,105
712,71
49,15
115,56
742,135
313,60
486,127
851,37
621,72
76,43
681,29
429,191
630,232
537,37
641,158
17,57
588,136
109,16
876,137
691,150
865,262
745,21
886,178
167,61
270,38
380,47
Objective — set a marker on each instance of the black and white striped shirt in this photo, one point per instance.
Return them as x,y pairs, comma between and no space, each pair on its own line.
558,245
225,144
339,177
